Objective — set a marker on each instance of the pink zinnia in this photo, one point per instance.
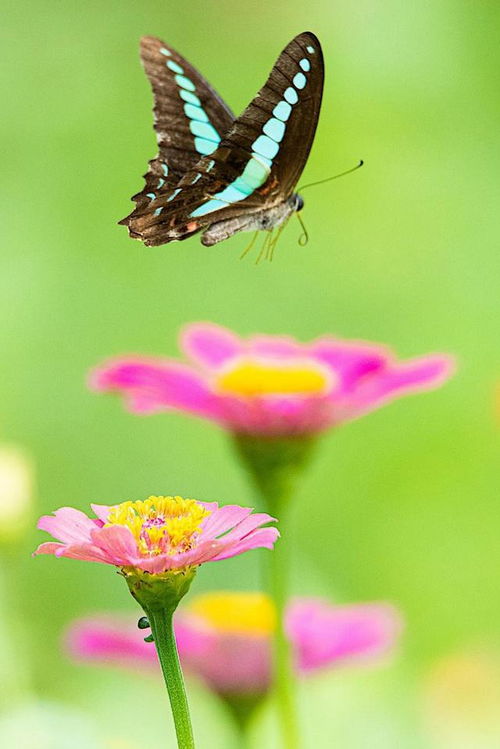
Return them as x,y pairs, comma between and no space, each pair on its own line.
269,385
160,534
225,638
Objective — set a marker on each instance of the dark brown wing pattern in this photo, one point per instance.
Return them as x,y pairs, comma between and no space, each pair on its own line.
258,161
178,90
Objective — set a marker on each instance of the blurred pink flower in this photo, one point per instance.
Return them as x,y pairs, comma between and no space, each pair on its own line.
225,638
157,535
269,385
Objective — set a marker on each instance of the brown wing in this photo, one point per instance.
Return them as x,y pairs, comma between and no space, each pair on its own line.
258,161
190,119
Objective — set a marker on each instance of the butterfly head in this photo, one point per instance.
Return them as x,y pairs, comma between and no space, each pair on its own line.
297,202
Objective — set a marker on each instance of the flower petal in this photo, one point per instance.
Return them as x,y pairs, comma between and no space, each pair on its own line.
85,552
49,547
350,360
424,373
247,525
324,635
110,640
276,347
68,525
150,385
117,543
223,519
260,538
209,345
102,511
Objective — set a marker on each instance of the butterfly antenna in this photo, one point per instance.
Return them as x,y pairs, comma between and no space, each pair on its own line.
304,237
335,176
249,246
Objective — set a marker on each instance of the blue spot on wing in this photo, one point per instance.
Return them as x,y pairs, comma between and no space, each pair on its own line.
265,146
231,193
208,207
282,110
305,65
189,97
195,113
185,83
205,147
174,66
291,95
299,80
275,129
204,130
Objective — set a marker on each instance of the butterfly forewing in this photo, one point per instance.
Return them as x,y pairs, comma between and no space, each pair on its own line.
190,119
259,159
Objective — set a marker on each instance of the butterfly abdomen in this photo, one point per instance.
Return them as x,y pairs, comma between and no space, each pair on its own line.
264,220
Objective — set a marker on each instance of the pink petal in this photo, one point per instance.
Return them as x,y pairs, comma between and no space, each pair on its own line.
150,385
117,543
324,635
261,538
109,640
350,360
49,547
203,552
424,373
276,347
68,525
230,663
224,518
102,511
247,525
209,345
85,552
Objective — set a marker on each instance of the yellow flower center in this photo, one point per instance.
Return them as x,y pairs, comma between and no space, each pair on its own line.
161,525
243,613
252,378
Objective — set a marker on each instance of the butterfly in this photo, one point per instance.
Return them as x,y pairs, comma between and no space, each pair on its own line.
218,174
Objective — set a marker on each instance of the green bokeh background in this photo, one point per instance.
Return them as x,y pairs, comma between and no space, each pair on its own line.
400,506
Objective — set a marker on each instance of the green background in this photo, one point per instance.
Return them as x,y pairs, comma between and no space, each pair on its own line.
401,505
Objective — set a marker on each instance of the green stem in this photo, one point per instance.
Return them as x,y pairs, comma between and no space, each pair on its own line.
279,563
275,465
161,621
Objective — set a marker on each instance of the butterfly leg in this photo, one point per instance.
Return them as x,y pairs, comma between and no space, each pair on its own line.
250,245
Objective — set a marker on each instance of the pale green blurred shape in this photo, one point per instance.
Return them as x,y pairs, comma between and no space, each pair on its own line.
402,505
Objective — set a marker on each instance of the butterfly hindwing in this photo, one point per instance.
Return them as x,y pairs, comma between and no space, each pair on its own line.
190,119
259,159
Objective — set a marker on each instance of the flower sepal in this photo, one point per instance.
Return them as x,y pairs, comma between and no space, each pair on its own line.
159,592
275,463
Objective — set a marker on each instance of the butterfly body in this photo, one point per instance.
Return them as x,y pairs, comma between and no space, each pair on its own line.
217,174
264,220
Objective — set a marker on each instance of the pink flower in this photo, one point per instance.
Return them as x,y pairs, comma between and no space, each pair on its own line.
225,638
269,385
158,535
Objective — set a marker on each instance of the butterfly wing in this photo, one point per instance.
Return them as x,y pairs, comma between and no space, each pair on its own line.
259,160
190,119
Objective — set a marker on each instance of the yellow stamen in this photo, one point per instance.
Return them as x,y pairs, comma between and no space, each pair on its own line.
252,378
245,613
160,524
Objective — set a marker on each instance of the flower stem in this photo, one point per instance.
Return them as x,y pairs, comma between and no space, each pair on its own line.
275,465
161,621
283,669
